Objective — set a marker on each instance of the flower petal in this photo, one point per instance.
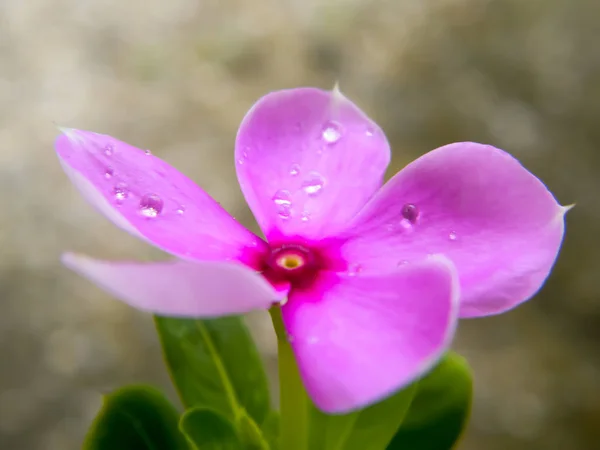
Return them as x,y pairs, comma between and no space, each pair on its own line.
180,288
307,160
152,200
478,206
360,338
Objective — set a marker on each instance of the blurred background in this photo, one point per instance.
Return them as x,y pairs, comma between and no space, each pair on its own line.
177,77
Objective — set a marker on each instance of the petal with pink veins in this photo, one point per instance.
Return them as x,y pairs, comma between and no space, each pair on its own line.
475,204
307,160
152,200
180,288
358,339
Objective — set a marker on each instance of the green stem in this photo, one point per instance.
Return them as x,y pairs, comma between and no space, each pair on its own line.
294,403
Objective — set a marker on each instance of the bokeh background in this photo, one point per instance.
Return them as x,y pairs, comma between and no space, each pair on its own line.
177,77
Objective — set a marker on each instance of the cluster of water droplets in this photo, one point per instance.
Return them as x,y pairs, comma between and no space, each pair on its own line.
151,205
313,184
243,157
283,203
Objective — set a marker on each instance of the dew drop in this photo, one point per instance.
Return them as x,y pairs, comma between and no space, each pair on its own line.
410,212
406,225
120,192
312,340
314,184
452,236
354,269
109,149
283,203
243,157
305,217
151,205
294,170
109,173
332,132
147,152
181,210
370,132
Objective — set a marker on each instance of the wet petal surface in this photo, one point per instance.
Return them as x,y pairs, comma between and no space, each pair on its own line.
307,160
152,200
475,204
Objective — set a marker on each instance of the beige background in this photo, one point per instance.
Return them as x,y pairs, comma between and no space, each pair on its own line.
178,76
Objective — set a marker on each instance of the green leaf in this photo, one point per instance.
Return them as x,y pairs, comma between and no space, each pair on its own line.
440,410
251,434
372,427
135,418
214,364
206,429
270,429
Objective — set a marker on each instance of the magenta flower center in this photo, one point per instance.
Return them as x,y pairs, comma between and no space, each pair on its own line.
290,259
292,263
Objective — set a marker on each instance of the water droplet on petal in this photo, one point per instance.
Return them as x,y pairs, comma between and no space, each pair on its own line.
109,149
305,217
452,236
406,224
354,269
181,210
120,192
283,203
370,132
332,132
147,152
294,169
402,263
151,205
410,212
109,173
313,184
243,157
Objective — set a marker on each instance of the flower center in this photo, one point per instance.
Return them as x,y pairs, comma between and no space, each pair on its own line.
290,261
295,264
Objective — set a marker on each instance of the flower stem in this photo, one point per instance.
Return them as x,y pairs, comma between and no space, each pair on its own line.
294,402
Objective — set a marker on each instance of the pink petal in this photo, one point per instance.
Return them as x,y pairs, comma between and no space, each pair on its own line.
360,338
180,288
478,206
307,160
147,197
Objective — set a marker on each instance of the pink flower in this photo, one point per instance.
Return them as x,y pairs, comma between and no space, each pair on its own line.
372,274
